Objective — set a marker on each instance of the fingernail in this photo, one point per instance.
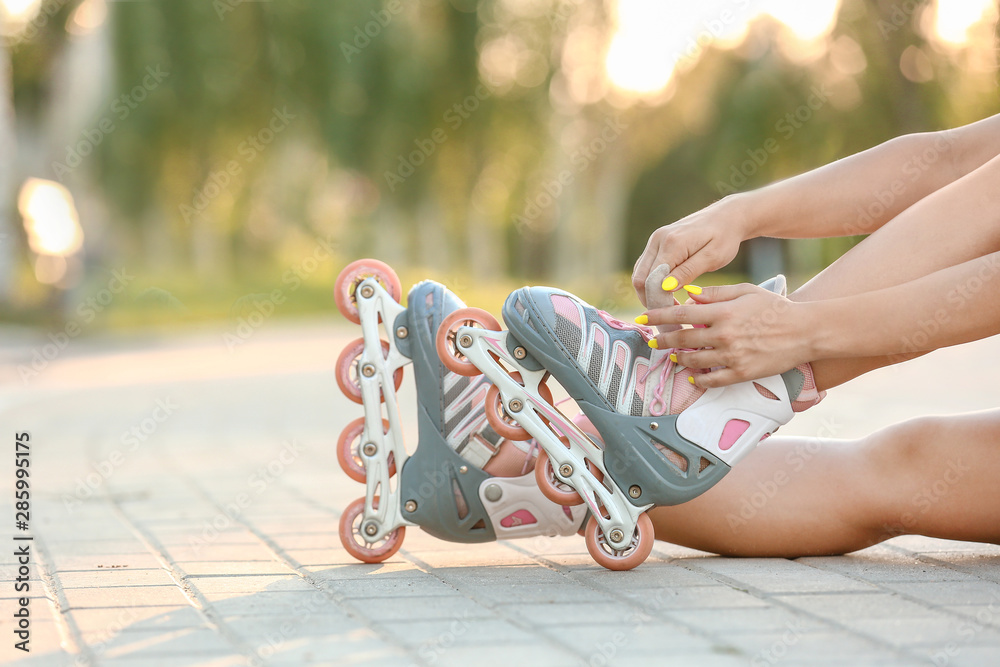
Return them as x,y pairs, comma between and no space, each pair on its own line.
673,357
669,284
653,344
642,319
691,379
692,289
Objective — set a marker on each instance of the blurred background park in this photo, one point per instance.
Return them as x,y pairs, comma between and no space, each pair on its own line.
175,161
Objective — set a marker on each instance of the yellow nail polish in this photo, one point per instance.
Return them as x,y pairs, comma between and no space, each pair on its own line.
692,289
669,284
691,379
673,357
642,319
653,344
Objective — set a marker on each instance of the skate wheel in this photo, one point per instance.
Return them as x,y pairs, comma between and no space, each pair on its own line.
501,420
352,275
447,347
633,555
356,545
347,370
555,489
349,450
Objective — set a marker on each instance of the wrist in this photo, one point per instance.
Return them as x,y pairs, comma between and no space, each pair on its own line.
741,213
819,321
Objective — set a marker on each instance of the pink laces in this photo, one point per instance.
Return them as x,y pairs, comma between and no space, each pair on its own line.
659,406
647,332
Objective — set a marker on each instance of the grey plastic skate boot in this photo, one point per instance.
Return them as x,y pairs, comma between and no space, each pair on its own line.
439,489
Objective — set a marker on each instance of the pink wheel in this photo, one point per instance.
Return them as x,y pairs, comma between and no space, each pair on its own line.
447,347
628,558
352,275
500,419
347,370
555,489
349,450
356,545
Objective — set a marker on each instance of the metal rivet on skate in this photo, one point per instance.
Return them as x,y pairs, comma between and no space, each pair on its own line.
515,405
368,370
566,470
520,352
367,291
634,491
617,535
370,529
402,332
654,425
493,493
410,506
463,469
369,449
465,340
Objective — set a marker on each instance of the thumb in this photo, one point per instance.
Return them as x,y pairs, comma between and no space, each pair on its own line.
724,293
688,271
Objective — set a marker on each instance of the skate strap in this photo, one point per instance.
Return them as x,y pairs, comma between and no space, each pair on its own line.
481,446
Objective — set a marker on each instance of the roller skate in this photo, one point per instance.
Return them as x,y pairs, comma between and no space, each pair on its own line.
464,482
655,439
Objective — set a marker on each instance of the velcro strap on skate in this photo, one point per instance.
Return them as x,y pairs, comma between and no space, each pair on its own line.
481,446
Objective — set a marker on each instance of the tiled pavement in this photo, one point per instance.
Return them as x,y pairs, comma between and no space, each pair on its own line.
209,538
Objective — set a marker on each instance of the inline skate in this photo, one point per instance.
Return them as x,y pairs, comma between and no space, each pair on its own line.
654,438
464,482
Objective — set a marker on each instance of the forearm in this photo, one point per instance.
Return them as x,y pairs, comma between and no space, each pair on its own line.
954,305
860,193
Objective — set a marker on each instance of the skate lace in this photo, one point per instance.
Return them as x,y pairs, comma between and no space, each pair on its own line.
663,364
614,322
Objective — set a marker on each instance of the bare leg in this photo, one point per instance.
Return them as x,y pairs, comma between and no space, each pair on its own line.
794,496
913,244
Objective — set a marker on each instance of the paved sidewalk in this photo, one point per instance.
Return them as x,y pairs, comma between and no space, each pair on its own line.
185,503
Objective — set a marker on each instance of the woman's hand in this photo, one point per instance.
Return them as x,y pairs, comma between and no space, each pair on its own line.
748,331
702,242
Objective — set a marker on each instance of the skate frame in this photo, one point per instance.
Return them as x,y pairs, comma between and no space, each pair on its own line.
387,516
621,513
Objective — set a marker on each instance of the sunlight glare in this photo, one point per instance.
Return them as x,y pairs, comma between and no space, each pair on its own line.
806,20
50,218
654,38
954,18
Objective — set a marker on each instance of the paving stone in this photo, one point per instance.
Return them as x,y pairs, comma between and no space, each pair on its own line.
541,601
123,577
125,596
779,575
